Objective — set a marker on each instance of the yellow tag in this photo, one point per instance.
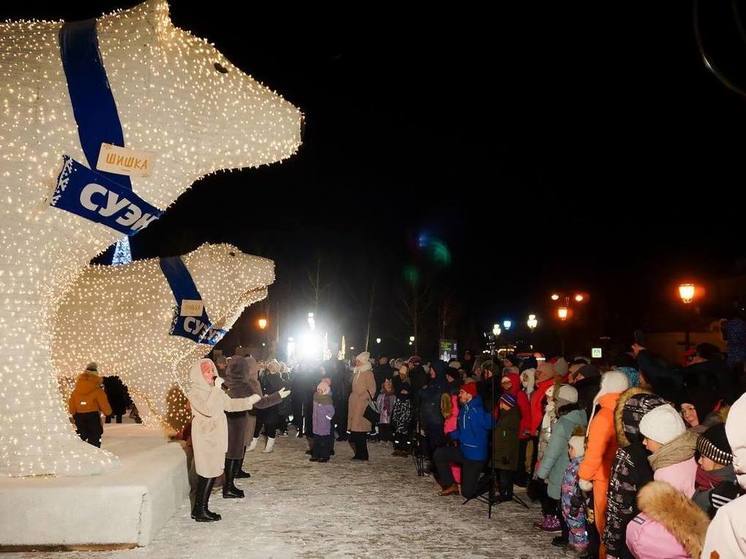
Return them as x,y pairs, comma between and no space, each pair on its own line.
125,161
191,307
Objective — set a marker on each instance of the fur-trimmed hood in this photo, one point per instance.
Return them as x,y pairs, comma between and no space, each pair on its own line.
678,514
633,404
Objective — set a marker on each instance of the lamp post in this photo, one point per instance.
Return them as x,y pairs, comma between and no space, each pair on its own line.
687,292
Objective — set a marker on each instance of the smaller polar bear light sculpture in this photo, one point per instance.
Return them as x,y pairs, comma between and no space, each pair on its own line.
174,109
121,317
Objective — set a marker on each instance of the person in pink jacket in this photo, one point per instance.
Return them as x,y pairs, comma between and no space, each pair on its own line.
671,526
449,408
672,447
668,524
726,536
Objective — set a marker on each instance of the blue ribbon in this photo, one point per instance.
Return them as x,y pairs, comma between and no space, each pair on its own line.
98,122
198,329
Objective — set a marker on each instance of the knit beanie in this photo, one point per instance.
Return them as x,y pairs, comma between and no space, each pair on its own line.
577,442
508,399
91,367
612,382
470,388
662,424
713,444
566,394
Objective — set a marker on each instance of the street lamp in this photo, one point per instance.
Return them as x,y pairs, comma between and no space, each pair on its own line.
496,330
562,313
532,322
579,298
262,322
411,339
555,297
686,292
507,324
378,340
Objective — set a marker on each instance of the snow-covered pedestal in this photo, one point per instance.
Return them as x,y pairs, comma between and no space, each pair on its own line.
122,508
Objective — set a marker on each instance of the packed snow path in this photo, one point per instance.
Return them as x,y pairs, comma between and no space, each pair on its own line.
344,508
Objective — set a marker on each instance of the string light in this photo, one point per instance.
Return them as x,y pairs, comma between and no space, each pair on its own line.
177,97
120,317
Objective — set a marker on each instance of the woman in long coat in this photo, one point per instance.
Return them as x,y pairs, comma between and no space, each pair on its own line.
363,389
210,430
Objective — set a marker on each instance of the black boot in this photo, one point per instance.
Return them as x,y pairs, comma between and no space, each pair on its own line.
199,510
230,491
240,474
208,492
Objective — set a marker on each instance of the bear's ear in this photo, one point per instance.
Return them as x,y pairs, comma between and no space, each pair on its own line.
153,14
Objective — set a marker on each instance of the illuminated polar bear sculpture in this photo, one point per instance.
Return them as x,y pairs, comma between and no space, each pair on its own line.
176,97
120,317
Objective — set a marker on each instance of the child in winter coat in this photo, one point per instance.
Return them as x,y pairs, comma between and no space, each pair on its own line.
726,535
571,498
505,443
554,463
715,484
87,402
323,412
386,401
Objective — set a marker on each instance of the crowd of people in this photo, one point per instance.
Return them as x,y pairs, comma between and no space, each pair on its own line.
629,459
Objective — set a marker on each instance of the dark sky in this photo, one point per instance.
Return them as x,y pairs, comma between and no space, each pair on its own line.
548,146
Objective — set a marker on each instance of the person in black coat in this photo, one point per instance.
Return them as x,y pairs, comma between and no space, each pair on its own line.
587,381
431,417
118,396
269,418
630,469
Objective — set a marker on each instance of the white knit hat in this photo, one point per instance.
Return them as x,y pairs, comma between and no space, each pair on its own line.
567,394
662,424
578,443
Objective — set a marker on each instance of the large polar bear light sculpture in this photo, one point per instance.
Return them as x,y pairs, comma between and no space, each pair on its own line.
120,317
178,99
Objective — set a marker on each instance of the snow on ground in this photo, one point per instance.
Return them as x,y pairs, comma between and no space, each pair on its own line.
297,508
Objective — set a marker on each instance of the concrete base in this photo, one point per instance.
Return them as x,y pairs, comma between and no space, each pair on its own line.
123,508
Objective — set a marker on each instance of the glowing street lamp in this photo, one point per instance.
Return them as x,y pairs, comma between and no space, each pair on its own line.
507,324
686,292
562,313
532,322
411,339
579,298
378,340
555,297
262,322
496,330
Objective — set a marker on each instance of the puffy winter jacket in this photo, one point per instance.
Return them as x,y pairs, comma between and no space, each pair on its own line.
88,396
602,443
555,460
537,406
474,423
671,526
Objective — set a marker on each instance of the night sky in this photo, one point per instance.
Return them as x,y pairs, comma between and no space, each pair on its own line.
547,147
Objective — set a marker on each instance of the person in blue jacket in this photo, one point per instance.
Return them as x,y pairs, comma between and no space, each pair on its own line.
474,424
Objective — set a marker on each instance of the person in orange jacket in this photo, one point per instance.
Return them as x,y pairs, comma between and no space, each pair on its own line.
87,402
595,470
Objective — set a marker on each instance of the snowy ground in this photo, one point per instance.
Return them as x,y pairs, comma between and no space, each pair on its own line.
296,508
